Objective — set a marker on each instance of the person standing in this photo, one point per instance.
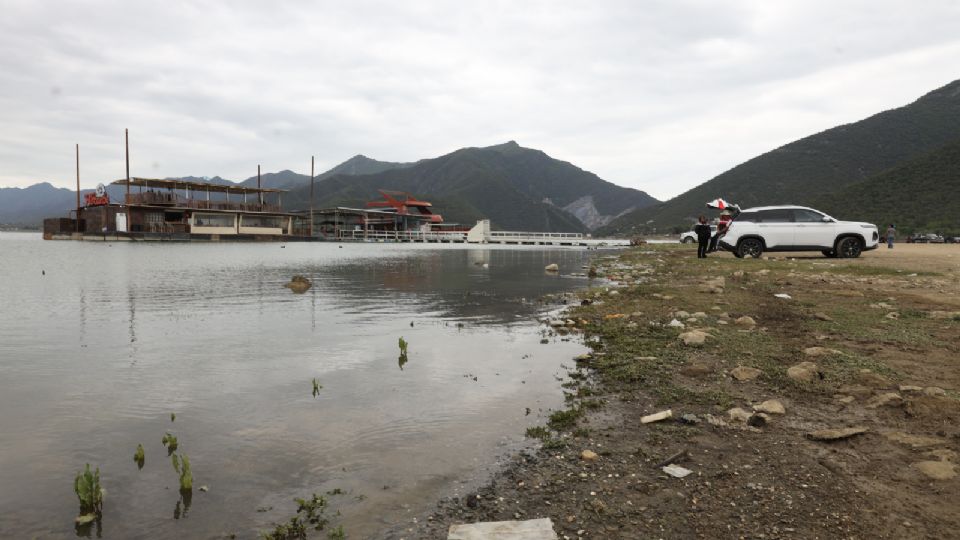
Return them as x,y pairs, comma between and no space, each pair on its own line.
703,237
891,234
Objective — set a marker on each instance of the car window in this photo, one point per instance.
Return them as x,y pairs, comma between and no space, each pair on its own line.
750,217
807,216
780,215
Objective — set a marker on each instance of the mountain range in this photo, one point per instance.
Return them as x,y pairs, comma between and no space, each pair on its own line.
516,188
832,168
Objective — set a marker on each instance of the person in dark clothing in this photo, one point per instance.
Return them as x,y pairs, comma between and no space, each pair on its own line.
703,237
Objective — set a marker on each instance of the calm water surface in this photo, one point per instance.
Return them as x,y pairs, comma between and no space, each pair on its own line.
97,353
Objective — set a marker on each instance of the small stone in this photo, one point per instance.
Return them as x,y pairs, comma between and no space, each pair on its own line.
675,324
936,470
892,315
681,314
934,391
819,351
656,417
588,455
846,400
744,373
822,317
890,399
771,406
904,388
804,372
689,418
835,434
758,420
553,267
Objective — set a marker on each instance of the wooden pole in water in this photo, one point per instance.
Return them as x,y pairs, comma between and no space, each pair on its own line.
311,196
260,194
126,138
78,189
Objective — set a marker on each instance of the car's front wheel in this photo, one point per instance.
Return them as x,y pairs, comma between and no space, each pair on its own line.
687,240
849,247
829,253
750,247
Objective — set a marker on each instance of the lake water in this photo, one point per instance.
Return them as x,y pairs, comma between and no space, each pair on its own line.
100,343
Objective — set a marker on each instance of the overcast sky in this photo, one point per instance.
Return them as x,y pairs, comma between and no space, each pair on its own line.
656,95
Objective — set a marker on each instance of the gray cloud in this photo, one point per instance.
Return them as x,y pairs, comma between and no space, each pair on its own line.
660,95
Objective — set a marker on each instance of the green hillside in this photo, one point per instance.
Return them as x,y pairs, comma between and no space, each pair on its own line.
922,195
802,171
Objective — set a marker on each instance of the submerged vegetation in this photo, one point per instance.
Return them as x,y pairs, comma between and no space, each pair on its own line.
170,441
403,353
316,387
139,456
90,493
182,466
311,514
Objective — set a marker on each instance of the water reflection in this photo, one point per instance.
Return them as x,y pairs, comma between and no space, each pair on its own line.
96,355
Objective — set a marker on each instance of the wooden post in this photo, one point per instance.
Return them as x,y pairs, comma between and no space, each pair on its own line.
311,196
78,188
260,194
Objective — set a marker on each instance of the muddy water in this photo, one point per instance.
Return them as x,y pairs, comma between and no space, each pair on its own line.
100,343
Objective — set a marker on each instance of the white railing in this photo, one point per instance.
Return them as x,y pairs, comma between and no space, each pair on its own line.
405,236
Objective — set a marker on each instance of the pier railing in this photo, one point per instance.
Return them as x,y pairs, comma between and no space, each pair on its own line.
155,198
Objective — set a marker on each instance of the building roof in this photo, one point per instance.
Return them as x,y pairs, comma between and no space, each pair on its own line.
194,186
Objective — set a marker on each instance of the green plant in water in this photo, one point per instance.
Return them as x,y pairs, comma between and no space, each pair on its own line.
173,416
88,489
403,346
139,456
337,534
170,442
186,476
311,514
316,387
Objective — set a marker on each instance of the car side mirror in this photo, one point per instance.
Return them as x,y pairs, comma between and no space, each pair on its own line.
827,219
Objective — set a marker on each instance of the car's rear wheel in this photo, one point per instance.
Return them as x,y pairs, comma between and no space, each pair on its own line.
849,247
829,253
688,240
750,247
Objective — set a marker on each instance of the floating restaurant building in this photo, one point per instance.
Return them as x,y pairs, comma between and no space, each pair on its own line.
180,210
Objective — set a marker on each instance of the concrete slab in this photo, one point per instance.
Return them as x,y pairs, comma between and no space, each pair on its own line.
533,529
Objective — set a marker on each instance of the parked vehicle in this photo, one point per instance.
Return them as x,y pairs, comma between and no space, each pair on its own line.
797,228
952,239
690,237
921,238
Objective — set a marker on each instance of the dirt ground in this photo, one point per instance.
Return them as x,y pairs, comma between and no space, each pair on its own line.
870,346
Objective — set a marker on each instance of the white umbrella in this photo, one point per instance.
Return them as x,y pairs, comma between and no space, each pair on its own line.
718,203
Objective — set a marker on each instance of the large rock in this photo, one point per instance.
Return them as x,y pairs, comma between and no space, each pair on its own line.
299,284
534,529
745,322
694,338
696,370
588,455
771,406
916,441
872,379
835,434
744,373
937,470
553,267
803,372
889,399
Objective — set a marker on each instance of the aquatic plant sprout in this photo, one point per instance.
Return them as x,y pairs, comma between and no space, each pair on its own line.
90,493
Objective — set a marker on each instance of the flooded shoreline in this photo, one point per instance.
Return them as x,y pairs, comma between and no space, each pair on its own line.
102,343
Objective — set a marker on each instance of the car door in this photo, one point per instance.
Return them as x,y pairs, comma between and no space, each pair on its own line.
776,227
812,231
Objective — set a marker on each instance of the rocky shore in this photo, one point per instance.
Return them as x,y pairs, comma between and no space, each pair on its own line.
723,398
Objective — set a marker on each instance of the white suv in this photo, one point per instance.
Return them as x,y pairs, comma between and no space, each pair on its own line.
796,228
